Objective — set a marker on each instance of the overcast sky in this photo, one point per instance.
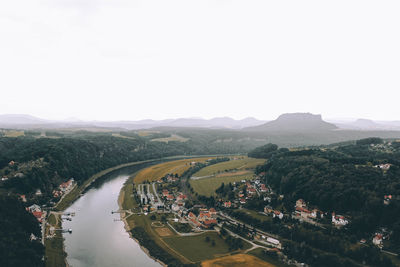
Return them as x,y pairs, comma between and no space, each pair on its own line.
114,59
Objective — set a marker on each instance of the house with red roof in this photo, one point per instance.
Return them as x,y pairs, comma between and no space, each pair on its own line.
209,223
213,212
251,190
204,216
39,215
378,240
263,188
23,198
227,204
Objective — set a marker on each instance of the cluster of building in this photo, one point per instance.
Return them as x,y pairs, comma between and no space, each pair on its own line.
252,188
206,218
64,188
302,211
37,212
339,220
268,210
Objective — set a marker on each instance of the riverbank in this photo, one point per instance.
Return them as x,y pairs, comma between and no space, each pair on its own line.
128,227
54,248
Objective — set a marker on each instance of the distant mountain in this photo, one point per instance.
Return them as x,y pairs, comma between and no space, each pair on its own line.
295,122
27,121
366,125
19,119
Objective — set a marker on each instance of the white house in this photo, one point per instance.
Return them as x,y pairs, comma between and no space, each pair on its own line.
339,220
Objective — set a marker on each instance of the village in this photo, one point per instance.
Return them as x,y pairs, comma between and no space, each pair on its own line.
41,213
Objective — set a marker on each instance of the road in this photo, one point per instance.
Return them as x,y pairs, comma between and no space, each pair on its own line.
155,193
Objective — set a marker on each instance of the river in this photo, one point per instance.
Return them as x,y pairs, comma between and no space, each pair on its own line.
98,237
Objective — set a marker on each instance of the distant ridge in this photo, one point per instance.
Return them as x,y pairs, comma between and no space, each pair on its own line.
29,122
295,122
17,119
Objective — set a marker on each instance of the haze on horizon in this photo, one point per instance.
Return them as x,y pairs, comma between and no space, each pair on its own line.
132,60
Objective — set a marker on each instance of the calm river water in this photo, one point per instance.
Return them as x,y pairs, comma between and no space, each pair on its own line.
97,239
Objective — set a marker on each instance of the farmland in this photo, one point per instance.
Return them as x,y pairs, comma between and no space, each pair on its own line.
207,180
238,260
12,133
242,163
172,138
195,248
160,170
207,186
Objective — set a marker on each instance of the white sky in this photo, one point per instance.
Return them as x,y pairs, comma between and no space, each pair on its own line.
112,60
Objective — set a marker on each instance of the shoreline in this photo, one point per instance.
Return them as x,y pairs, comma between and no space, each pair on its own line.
126,227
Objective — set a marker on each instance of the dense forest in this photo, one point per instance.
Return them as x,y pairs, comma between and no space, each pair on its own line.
17,248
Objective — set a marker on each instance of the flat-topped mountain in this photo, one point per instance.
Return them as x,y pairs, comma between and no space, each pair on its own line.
295,122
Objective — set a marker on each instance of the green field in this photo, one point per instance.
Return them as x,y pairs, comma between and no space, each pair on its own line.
54,251
256,215
195,248
207,186
239,164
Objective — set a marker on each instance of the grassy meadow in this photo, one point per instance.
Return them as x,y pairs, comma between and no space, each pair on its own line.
207,186
242,163
195,248
158,171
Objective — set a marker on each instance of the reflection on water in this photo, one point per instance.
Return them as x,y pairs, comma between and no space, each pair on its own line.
97,239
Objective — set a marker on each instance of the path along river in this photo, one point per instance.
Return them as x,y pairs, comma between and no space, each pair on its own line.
98,237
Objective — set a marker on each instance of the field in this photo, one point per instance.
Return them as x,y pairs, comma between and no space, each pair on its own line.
256,215
122,136
273,261
54,250
160,170
195,248
164,231
240,164
12,133
146,133
172,138
207,186
238,260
